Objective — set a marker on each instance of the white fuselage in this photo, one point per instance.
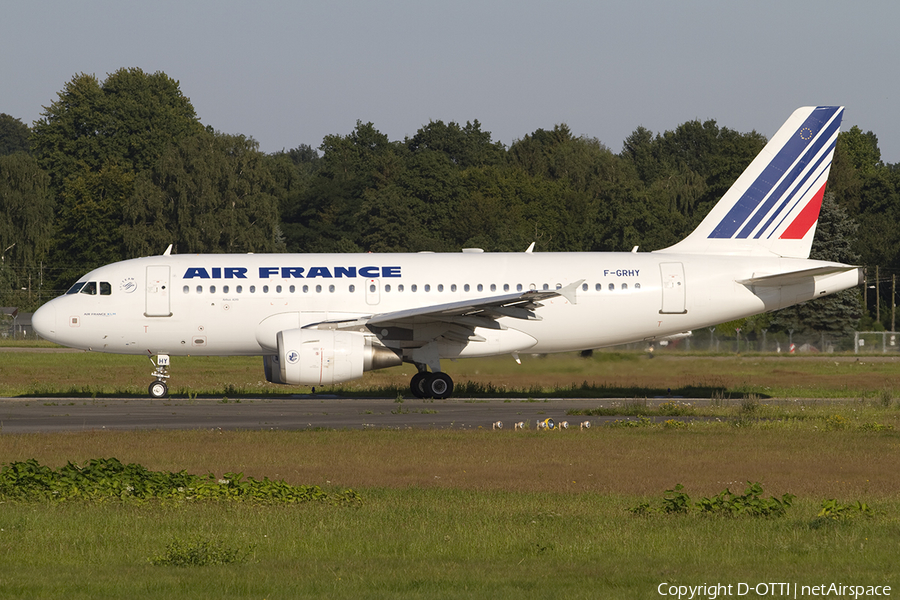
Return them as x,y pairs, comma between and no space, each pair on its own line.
227,304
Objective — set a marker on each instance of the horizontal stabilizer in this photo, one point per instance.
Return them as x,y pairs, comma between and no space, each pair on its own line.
793,277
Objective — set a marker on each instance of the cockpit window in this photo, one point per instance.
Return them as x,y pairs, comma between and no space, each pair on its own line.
90,288
75,288
105,288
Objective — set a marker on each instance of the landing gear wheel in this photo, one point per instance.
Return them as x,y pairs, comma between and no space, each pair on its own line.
417,384
438,386
158,389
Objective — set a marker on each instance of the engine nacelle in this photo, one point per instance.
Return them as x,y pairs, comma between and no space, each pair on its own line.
325,356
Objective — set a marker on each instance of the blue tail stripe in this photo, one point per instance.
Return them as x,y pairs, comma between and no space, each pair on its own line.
760,188
803,184
789,181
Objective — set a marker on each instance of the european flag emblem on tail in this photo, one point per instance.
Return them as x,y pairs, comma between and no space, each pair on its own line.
774,205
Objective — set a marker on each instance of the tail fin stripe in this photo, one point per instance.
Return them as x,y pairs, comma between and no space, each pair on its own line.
803,141
795,198
806,219
792,180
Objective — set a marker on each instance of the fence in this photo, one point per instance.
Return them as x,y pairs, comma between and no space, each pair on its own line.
708,340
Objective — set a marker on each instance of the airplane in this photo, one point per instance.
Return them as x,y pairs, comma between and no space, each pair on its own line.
323,319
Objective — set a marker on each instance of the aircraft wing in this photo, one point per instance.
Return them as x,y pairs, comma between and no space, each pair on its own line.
477,312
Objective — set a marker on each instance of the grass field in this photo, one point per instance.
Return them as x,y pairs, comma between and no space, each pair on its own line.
474,514
607,374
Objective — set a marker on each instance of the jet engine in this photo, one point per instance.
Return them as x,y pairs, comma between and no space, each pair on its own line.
325,356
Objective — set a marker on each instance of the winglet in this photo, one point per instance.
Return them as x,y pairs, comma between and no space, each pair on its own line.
530,249
168,251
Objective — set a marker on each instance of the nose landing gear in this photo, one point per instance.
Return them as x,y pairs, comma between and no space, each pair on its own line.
159,389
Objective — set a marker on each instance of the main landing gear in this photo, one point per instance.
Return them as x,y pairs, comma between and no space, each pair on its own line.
159,389
431,385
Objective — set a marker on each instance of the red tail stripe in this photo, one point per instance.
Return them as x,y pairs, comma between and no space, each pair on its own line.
806,219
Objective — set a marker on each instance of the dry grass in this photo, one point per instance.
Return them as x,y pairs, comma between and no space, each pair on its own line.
644,462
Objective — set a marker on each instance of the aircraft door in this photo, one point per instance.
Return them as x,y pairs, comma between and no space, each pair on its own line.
673,292
158,293
373,291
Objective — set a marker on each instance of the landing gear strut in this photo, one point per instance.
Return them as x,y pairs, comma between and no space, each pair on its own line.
159,389
431,385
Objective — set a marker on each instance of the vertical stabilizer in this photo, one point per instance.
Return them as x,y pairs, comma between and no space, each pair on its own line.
773,207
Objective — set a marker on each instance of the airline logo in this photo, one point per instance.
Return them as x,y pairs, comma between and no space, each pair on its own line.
291,272
794,179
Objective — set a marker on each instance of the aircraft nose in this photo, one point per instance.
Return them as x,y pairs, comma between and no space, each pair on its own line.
44,321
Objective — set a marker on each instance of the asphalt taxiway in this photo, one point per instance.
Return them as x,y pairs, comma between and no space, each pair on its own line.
44,415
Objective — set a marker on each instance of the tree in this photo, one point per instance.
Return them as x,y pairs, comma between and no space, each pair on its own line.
128,120
92,142
26,216
211,192
13,135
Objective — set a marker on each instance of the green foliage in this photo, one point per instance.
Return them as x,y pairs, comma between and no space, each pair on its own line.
834,510
108,479
725,503
749,504
26,231
199,553
13,135
209,192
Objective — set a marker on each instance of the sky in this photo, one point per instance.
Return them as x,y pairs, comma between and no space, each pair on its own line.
289,72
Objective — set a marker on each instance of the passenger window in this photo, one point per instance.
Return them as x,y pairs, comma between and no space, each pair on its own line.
637,286
305,289
584,287
331,288
277,289
387,287
265,289
518,287
186,289
292,289
480,288
239,289
199,289
252,289
505,287
212,289
532,287
612,287
453,287
624,286
400,287
105,289
318,289
413,288
598,287
546,287
427,287
353,288
440,287
493,287
466,288
225,289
